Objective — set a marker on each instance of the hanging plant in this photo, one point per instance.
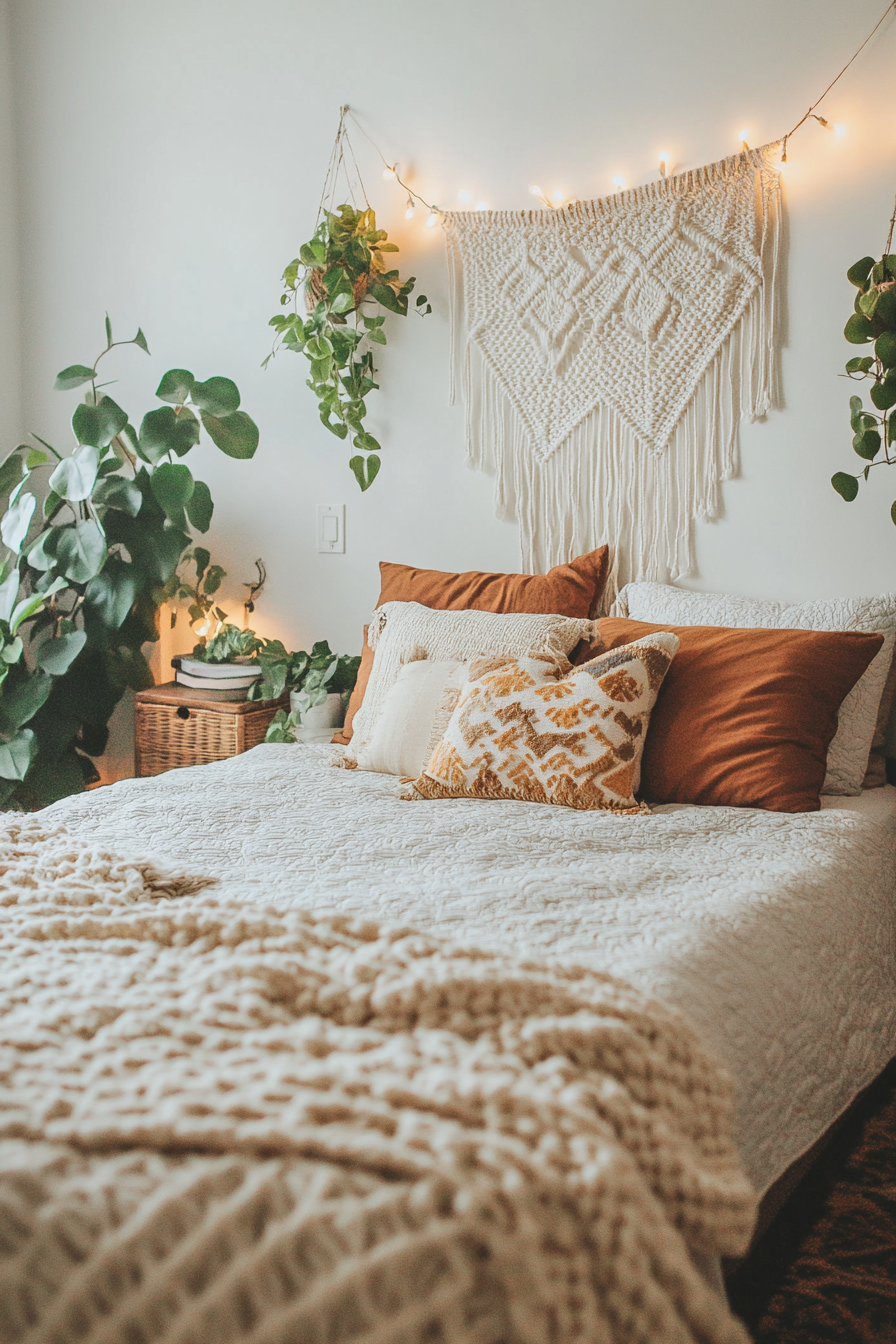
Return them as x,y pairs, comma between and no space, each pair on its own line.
339,270
874,320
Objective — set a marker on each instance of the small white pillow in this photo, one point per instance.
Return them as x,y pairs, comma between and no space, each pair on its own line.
402,632
416,711
663,604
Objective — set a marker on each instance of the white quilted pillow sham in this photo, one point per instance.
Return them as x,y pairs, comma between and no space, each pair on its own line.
405,632
662,604
416,711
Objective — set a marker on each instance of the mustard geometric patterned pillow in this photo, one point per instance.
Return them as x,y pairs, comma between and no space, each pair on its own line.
538,730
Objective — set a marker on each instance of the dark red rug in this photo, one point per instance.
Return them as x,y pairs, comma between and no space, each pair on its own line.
825,1271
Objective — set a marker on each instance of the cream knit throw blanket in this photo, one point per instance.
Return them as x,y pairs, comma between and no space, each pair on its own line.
225,1123
606,352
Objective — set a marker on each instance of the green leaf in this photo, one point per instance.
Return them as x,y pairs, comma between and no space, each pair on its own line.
343,302
113,592
117,492
858,330
868,302
201,559
859,364
365,469
36,458
200,507
16,521
172,486
140,340
318,347
57,655
885,349
98,425
845,485
42,554
235,434
73,376
12,471
108,332
385,295
893,511
81,550
886,308
75,476
19,706
378,337
867,444
52,504
859,273
884,395
219,396
9,591
11,653
163,431
17,754
213,580
176,386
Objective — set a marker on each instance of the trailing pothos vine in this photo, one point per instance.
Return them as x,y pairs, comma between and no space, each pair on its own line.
874,319
337,272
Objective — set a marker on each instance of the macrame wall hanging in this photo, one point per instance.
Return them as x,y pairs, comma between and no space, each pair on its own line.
607,352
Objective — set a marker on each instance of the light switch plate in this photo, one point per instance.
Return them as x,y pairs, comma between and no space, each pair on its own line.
331,528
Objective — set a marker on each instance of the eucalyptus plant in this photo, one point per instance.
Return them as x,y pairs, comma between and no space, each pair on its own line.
336,272
198,589
874,320
92,538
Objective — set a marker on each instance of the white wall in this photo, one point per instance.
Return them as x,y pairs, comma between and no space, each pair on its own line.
171,157
10,387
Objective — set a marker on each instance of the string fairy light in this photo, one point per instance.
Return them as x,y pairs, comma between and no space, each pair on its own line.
557,198
811,113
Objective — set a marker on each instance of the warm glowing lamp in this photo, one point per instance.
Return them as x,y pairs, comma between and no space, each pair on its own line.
389,173
618,182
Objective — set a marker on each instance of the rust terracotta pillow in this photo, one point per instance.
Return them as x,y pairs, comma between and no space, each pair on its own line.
538,730
567,590
745,717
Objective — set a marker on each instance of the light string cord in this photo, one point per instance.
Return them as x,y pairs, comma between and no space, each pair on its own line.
811,113
393,167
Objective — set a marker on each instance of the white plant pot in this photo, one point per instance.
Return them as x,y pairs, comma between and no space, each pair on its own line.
318,723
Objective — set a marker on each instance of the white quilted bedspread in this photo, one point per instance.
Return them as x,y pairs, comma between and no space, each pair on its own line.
775,933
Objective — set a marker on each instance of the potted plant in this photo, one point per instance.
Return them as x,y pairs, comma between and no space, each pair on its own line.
339,270
319,682
92,538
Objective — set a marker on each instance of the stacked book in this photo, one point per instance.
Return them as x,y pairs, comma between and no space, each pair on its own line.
224,681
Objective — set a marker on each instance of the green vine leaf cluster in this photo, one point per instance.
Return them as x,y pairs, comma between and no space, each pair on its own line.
93,539
873,321
198,589
340,270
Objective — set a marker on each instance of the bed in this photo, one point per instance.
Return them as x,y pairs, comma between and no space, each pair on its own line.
774,933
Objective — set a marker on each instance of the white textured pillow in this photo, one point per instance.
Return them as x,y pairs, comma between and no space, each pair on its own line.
416,711
403,632
662,604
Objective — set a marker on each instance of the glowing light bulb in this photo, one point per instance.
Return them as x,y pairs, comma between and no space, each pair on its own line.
665,159
536,191
481,205
389,173
557,197
618,182
839,130
433,219
411,210
742,137
464,197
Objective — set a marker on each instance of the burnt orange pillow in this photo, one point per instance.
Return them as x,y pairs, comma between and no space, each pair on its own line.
344,735
567,590
745,717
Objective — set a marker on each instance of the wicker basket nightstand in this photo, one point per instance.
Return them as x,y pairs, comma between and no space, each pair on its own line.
178,726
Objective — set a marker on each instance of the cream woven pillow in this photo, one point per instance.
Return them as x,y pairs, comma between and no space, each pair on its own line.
416,710
858,727
405,632
537,730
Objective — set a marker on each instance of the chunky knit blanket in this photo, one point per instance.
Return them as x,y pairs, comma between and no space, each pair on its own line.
224,1123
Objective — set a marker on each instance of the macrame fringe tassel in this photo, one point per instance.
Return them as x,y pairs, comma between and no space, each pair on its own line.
602,485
